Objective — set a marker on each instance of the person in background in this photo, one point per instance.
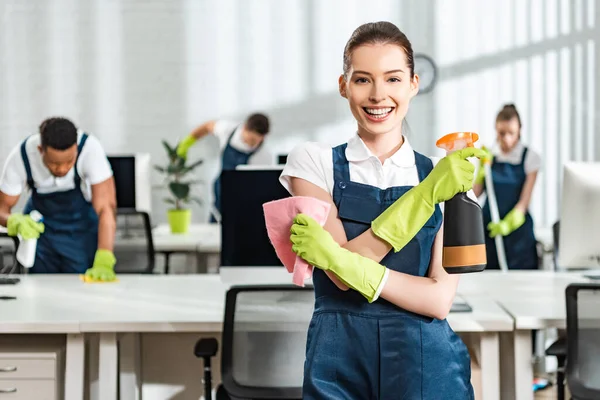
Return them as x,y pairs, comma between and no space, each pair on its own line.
514,173
239,143
72,186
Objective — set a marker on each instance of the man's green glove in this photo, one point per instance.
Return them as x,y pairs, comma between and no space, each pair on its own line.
103,269
184,146
401,221
510,223
316,246
485,159
24,225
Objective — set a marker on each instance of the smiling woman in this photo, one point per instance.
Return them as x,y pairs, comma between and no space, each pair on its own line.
379,325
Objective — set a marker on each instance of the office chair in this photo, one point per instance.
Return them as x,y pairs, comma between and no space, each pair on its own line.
134,247
583,340
263,343
13,267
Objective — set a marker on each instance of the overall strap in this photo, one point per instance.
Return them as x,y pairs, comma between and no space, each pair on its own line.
341,169
524,156
76,176
27,165
424,165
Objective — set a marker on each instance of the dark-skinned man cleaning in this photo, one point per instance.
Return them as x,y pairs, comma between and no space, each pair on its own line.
71,184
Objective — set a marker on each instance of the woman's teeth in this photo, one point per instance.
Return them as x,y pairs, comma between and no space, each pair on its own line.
378,112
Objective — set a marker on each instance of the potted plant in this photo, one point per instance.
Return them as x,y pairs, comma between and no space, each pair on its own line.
179,215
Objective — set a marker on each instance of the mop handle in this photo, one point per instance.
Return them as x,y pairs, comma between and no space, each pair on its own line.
491,199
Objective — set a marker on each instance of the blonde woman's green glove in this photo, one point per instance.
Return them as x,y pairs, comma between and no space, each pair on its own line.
316,246
103,269
401,221
510,223
24,225
184,146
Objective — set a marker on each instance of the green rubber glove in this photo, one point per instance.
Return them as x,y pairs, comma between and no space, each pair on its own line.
487,158
317,247
103,269
401,221
510,223
184,146
24,225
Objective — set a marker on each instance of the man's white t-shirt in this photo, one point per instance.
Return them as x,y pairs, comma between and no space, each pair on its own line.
223,130
92,165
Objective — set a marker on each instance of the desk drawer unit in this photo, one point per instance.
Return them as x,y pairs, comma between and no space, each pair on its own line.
31,371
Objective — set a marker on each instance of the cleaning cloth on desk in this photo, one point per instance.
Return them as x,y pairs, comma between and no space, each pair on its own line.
86,279
279,216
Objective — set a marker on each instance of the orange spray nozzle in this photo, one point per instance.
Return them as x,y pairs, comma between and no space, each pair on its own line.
457,140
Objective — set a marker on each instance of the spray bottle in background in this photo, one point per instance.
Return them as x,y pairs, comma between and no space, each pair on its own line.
464,234
27,248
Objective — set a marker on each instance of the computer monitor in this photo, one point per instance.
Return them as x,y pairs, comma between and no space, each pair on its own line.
244,239
579,239
132,181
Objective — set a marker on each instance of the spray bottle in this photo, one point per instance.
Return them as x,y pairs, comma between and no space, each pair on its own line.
464,234
27,247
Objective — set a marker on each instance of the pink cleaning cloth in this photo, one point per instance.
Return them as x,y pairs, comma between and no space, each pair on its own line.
279,217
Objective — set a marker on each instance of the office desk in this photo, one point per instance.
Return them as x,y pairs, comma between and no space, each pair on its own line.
171,303
535,300
195,303
203,240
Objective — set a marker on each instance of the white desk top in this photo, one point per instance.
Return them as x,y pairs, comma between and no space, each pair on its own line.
535,299
156,303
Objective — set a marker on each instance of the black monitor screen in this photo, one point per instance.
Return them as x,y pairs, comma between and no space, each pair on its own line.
282,159
243,232
124,174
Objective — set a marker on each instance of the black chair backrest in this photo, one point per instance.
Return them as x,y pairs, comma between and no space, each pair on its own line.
264,341
9,250
134,247
555,241
583,340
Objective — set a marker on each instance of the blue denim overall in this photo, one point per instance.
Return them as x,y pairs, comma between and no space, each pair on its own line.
520,245
357,350
70,238
231,158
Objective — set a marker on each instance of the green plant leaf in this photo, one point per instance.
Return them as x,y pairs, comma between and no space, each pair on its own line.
170,150
179,190
169,200
160,169
189,168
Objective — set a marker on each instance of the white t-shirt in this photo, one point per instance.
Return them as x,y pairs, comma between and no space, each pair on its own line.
92,165
533,161
222,131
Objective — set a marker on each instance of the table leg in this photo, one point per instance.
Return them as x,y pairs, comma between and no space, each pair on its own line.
108,366
516,369
489,360
130,376
74,366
